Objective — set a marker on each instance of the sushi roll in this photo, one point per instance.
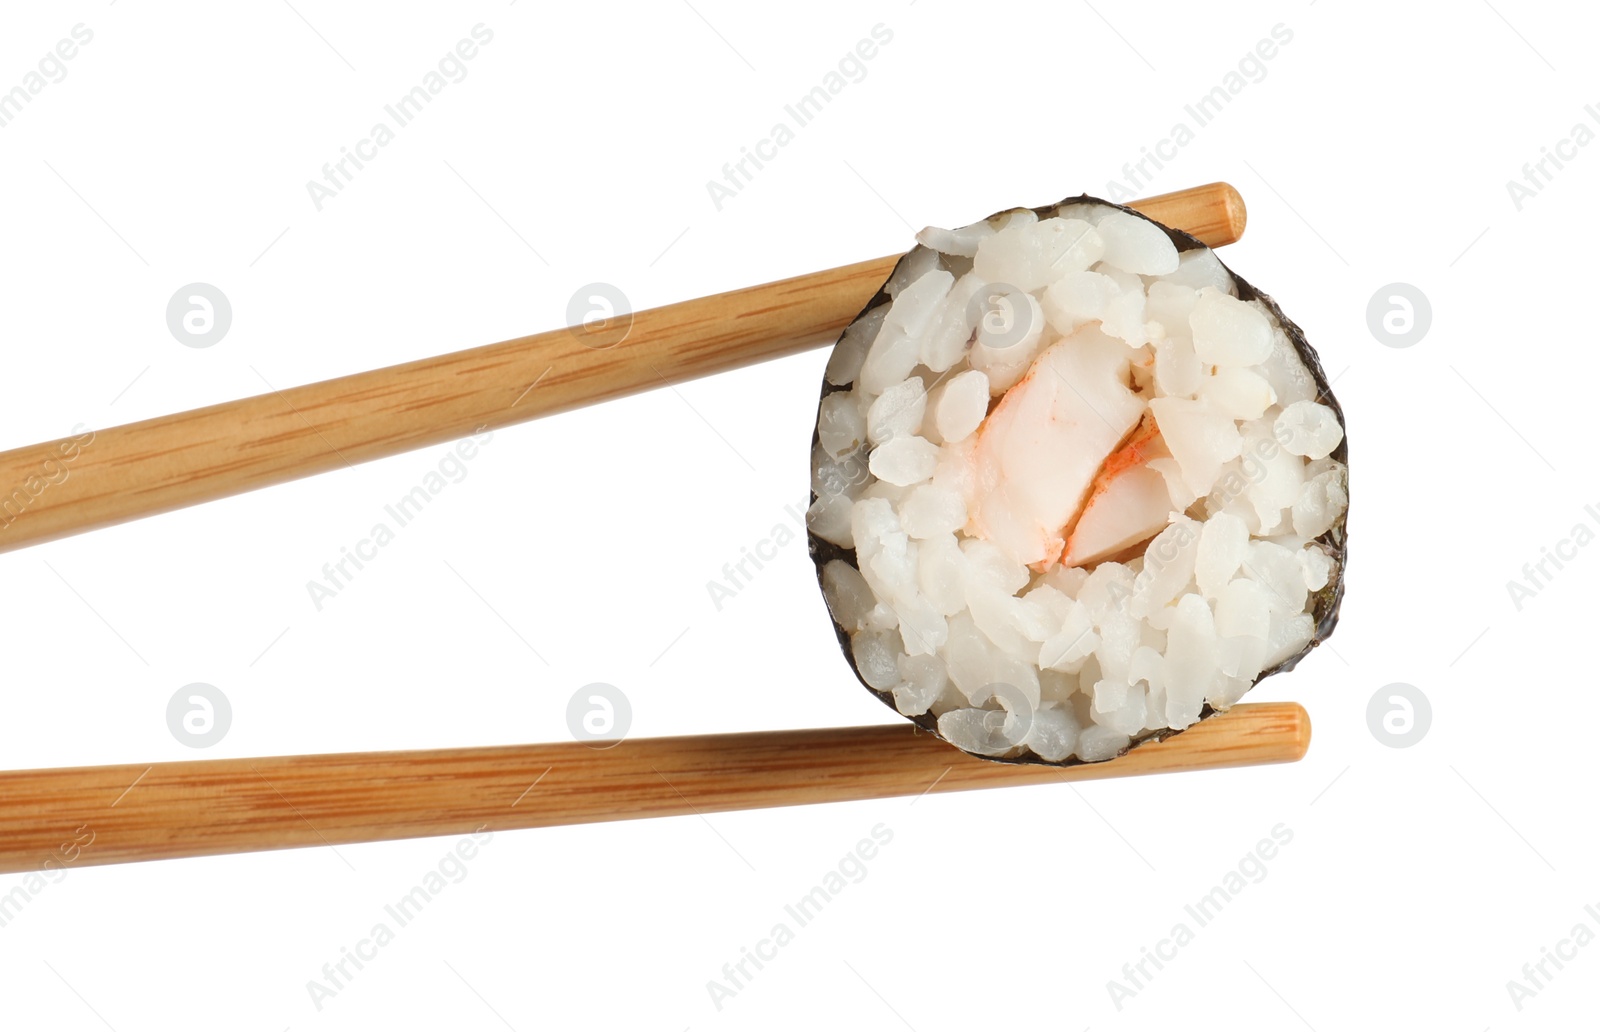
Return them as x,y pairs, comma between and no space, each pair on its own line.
1075,486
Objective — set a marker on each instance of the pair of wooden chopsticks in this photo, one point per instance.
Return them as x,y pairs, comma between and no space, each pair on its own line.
142,812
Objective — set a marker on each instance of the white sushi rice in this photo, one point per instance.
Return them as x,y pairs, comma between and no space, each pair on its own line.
1083,482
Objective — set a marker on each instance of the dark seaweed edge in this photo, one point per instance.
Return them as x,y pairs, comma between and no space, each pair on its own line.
1328,600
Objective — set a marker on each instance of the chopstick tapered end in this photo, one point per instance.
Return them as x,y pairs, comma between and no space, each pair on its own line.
1233,209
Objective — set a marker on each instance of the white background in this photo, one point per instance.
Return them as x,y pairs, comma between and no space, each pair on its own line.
1375,150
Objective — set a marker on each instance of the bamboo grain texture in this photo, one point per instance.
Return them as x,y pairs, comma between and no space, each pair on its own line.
157,465
70,817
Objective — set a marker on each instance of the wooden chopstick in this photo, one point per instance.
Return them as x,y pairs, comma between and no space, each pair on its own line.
100,815
140,469
95,815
